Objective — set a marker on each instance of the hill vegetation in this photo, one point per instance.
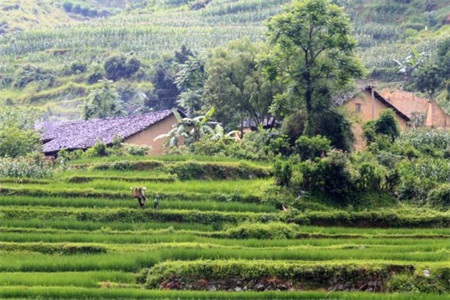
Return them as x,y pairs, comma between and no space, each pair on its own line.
53,52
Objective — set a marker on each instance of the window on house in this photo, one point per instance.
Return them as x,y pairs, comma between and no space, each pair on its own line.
358,107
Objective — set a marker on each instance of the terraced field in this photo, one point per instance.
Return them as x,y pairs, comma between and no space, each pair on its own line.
81,235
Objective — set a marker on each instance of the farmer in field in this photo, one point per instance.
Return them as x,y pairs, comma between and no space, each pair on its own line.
139,193
156,202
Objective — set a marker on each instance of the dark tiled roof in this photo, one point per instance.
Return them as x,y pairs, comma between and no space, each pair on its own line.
84,134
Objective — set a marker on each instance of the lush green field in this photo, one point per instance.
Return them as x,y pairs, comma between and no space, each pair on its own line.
42,35
95,246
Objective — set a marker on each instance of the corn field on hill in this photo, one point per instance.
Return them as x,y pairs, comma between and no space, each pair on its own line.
46,37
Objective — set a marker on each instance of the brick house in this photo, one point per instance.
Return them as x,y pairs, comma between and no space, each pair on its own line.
367,106
139,130
413,106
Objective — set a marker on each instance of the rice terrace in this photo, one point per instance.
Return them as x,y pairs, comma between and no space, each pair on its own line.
225,149
81,235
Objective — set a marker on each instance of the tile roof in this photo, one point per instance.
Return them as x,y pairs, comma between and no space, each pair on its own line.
84,134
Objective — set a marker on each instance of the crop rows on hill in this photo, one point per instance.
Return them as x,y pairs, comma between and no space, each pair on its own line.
101,247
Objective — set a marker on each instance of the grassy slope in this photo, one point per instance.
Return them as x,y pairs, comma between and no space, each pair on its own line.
384,29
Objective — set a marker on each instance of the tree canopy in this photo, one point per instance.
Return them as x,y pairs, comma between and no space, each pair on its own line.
312,54
17,134
103,102
236,85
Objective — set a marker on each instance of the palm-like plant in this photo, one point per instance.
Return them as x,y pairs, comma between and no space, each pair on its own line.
189,129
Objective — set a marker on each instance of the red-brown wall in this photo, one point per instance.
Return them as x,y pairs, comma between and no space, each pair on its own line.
370,109
147,136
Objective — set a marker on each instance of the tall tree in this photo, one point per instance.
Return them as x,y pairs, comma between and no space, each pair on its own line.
236,85
165,90
190,81
312,53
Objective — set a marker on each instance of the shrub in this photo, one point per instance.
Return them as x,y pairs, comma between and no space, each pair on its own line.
15,142
30,73
68,6
78,67
331,174
271,230
282,171
98,150
117,67
369,133
279,145
419,283
26,167
95,76
371,177
439,197
137,150
312,147
293,126
387,124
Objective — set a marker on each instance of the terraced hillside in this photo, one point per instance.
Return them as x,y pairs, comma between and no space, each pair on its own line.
46,49
216,235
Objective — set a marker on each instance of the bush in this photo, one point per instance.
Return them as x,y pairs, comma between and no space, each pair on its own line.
26,167
68,6
279,145
98,150
419,283
387,124
312,147
15,142
30,73
331,174
78,67
371,177
137,150
263,231
293,126
439,197
282,172
117,67
95,76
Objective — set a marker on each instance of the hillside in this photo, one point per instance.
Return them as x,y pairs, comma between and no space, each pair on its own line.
80,235
42,40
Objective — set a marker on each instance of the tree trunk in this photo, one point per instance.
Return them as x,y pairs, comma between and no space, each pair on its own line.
309,126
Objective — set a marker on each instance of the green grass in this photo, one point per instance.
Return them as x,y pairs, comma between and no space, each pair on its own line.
132,203
253,187
69,225
86,293
73,279
165,158
90,240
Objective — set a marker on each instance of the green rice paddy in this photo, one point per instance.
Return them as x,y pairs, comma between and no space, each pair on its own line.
61,246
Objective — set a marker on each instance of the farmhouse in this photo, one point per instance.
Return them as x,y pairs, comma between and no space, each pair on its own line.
409,110
367,106
139,130
425,111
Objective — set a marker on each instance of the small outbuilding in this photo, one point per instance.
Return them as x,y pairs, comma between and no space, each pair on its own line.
138,130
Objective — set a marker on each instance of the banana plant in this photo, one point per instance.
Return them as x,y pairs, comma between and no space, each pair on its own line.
189,129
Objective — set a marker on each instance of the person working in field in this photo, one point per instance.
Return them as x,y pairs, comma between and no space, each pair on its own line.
139,193
156,202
